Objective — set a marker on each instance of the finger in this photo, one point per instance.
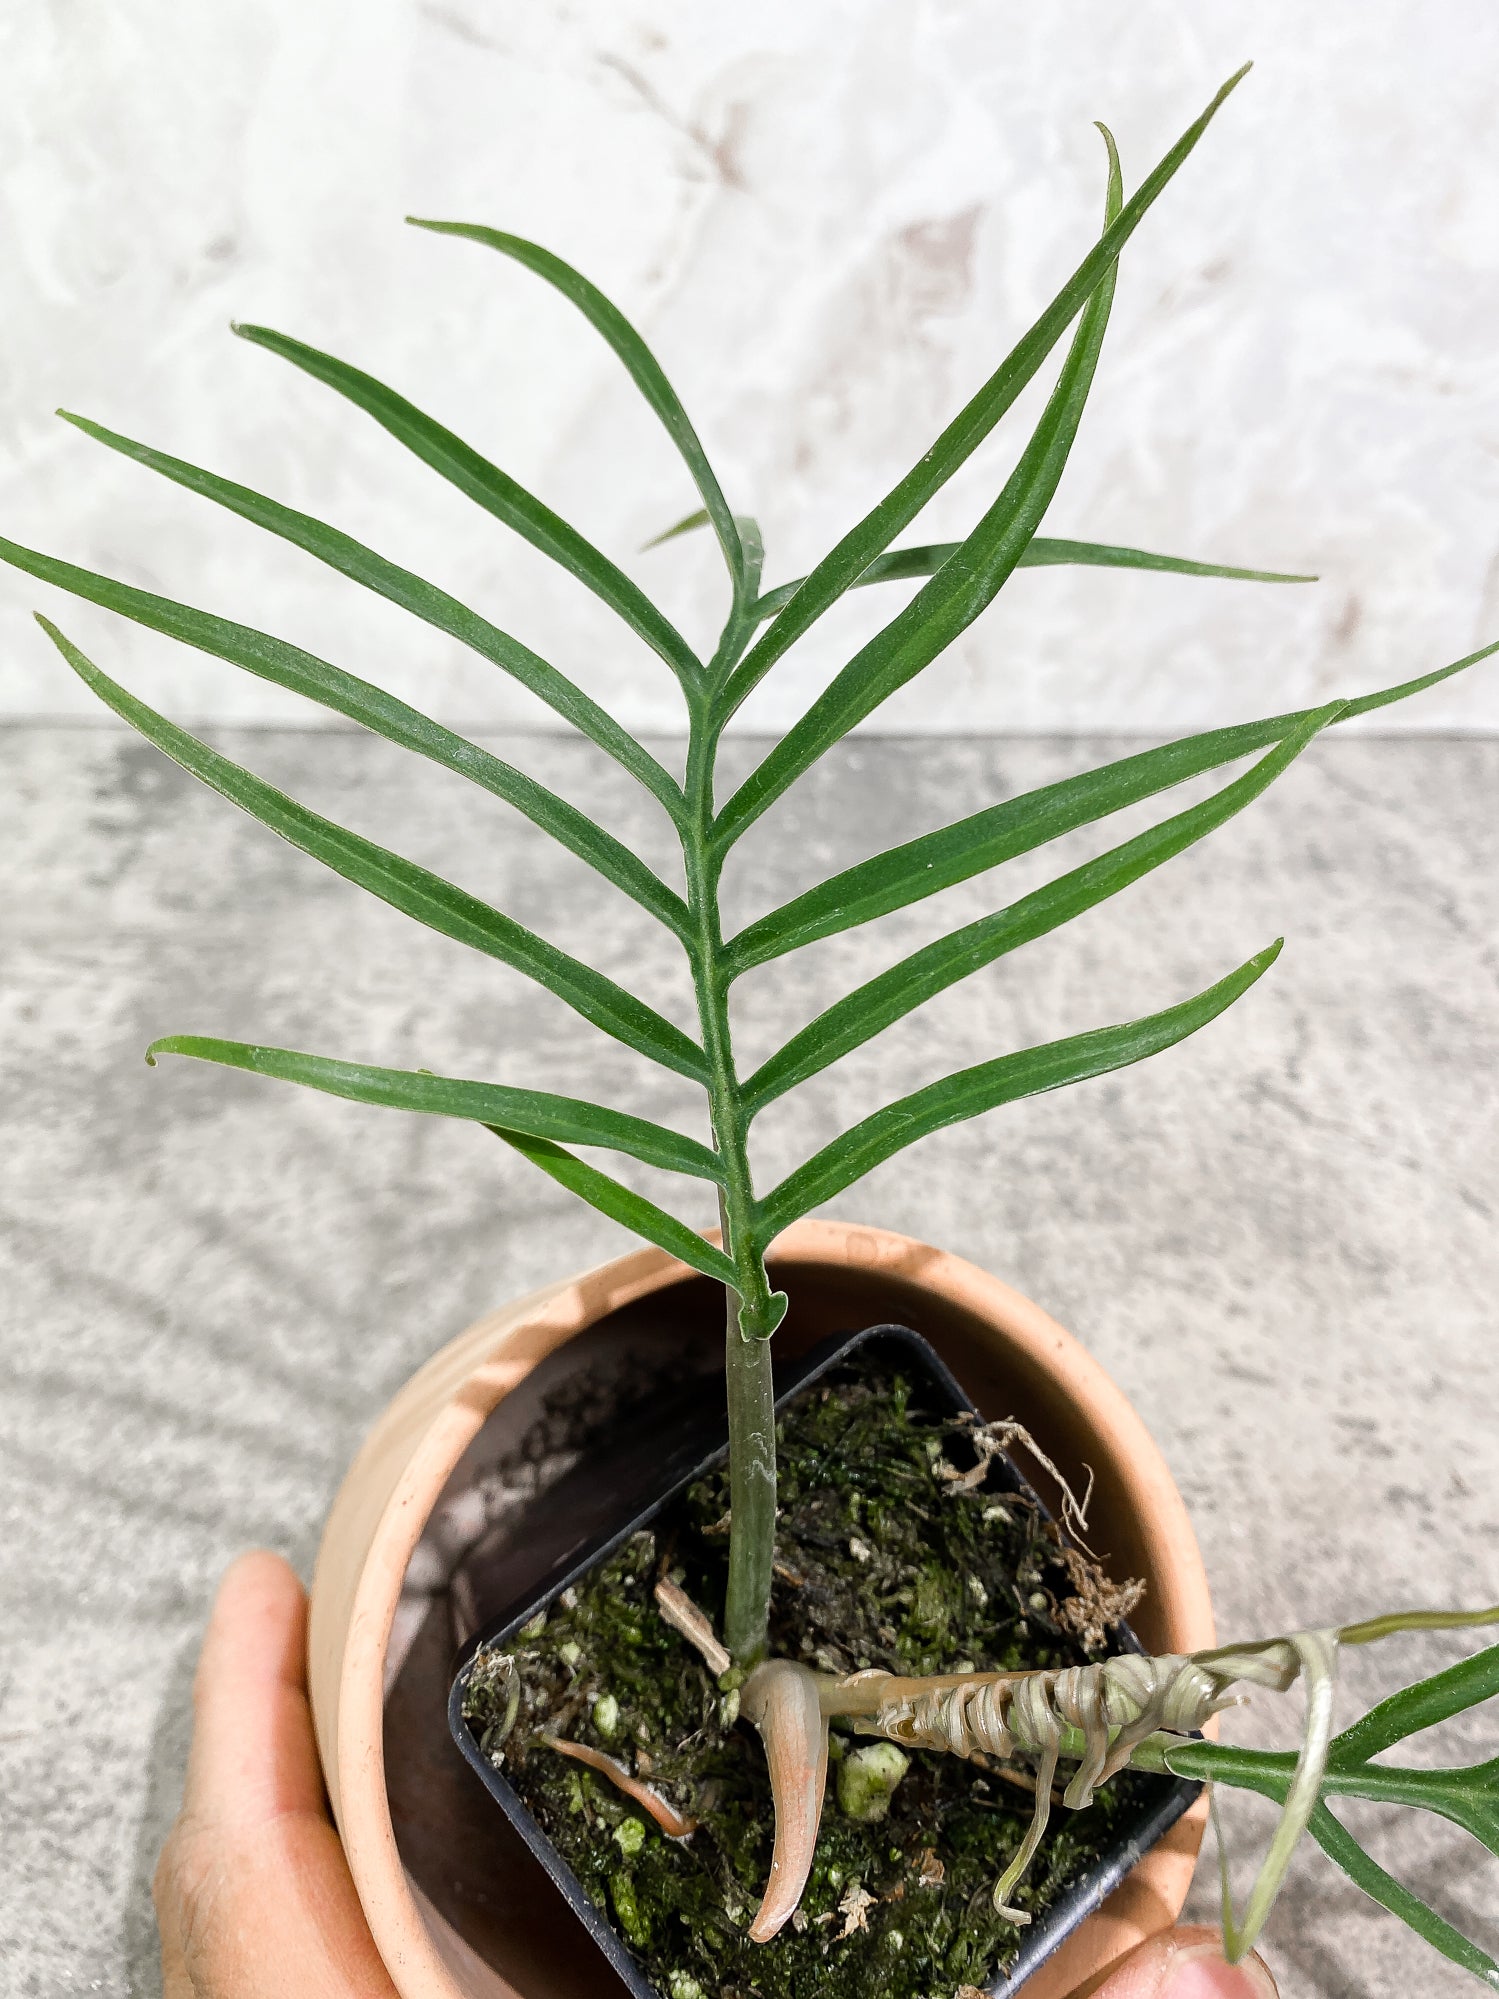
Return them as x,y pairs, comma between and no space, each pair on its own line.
254,1894
1187,1963
254,1755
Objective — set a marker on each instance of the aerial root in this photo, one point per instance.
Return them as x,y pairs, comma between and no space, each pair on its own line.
990,1440
783,1700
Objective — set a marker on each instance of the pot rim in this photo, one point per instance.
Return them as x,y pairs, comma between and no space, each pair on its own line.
388,1493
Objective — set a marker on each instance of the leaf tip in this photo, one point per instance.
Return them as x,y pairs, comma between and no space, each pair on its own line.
698,518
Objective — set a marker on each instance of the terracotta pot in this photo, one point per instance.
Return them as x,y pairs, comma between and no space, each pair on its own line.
1008,1354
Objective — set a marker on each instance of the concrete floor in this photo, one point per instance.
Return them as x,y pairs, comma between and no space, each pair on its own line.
1279,1237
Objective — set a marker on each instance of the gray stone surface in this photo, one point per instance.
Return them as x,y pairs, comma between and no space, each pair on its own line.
1280,1237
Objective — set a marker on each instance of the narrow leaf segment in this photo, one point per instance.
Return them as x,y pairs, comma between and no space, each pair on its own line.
964,586
1365,1872
405,886
345,694
645,371
901,565
491,489
983,1088
921,867
621,1204
873,1007
533,1112
844,565
1467,1796
435,607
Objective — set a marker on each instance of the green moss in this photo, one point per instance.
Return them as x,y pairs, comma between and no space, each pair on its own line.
878,1564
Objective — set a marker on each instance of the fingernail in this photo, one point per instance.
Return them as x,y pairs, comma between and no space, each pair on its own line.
1200,1972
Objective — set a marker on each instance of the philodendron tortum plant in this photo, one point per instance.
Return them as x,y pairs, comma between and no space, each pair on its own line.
1098,1718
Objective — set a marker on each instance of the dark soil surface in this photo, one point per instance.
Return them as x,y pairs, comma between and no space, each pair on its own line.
881,1561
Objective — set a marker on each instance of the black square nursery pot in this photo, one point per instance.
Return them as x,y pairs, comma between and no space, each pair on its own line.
609,1499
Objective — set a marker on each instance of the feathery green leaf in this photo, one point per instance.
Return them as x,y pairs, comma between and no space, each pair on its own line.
491,489
412,593
537,1113
413,890
1028,1073
881,1001
843,566
1044,552
622,1205
345,694
644,369
962,588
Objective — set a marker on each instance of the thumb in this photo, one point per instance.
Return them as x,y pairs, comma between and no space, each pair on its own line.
1187,1963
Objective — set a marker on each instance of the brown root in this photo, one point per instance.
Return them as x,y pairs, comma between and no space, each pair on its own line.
675,1824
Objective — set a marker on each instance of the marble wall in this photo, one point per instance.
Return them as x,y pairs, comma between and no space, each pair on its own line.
831,217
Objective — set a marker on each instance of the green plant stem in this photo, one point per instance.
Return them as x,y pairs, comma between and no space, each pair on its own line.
752,1490
752,1313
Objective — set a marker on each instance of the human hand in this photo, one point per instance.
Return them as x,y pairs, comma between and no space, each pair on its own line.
253,1894
1186,1963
